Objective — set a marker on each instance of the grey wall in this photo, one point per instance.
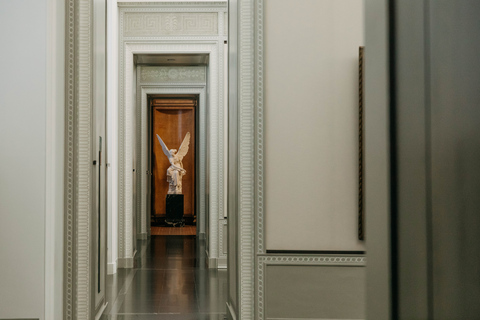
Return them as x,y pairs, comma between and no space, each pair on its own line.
314,292
438,128
22,157
412,160
311,124
455,157
422,82
377,160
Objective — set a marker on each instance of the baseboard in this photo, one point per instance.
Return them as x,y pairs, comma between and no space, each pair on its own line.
142,236
222,263
230,312
100,312
112,267
125,262
212,263
215,263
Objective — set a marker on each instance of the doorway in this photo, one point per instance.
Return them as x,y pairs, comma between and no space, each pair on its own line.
126,225
173,118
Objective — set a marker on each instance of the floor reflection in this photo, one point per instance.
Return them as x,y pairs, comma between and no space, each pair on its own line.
169,281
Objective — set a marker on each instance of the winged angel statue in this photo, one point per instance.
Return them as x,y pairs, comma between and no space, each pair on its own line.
175,172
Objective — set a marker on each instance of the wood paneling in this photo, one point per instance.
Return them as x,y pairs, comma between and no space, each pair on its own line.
171,120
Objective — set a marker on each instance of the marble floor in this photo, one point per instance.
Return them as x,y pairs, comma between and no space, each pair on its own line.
169,281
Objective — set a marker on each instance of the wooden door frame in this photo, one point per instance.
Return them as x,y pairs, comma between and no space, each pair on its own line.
143,91
192,144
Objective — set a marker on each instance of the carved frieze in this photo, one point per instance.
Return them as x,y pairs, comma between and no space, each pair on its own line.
173,74
151,24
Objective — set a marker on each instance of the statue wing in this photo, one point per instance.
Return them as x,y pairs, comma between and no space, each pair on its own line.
182,151
164,147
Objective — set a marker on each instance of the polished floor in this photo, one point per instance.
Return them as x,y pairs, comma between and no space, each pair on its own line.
170,281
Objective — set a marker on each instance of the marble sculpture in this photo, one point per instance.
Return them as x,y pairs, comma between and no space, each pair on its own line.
175,172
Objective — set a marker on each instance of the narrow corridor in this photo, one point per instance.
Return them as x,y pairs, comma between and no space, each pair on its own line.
169,281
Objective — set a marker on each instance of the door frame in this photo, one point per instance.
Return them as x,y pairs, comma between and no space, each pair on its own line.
215,153
137,38
145,154
78,226
80,152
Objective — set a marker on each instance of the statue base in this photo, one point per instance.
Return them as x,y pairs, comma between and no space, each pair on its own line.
174,212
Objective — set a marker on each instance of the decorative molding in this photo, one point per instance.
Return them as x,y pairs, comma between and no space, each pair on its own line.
84,99
221,23
70,118
78,171
318,260
259,155
173,84
297,260
155,74
247,90
225,23
141,24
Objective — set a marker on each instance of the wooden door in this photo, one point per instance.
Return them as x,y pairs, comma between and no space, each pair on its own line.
171,120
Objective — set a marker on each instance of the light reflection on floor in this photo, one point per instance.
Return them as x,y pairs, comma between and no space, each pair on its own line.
169,281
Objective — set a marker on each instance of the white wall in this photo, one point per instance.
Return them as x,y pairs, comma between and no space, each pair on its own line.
112,136
55,158
23,31
311,123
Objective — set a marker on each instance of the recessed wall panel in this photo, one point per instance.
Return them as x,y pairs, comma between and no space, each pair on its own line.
314,292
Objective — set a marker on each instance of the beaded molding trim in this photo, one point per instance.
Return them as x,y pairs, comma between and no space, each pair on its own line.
78,179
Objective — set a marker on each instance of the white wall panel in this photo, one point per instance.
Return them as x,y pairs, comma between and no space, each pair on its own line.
112,136
22,158
311,123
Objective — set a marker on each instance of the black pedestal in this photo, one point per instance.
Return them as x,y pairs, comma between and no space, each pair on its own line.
174,214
